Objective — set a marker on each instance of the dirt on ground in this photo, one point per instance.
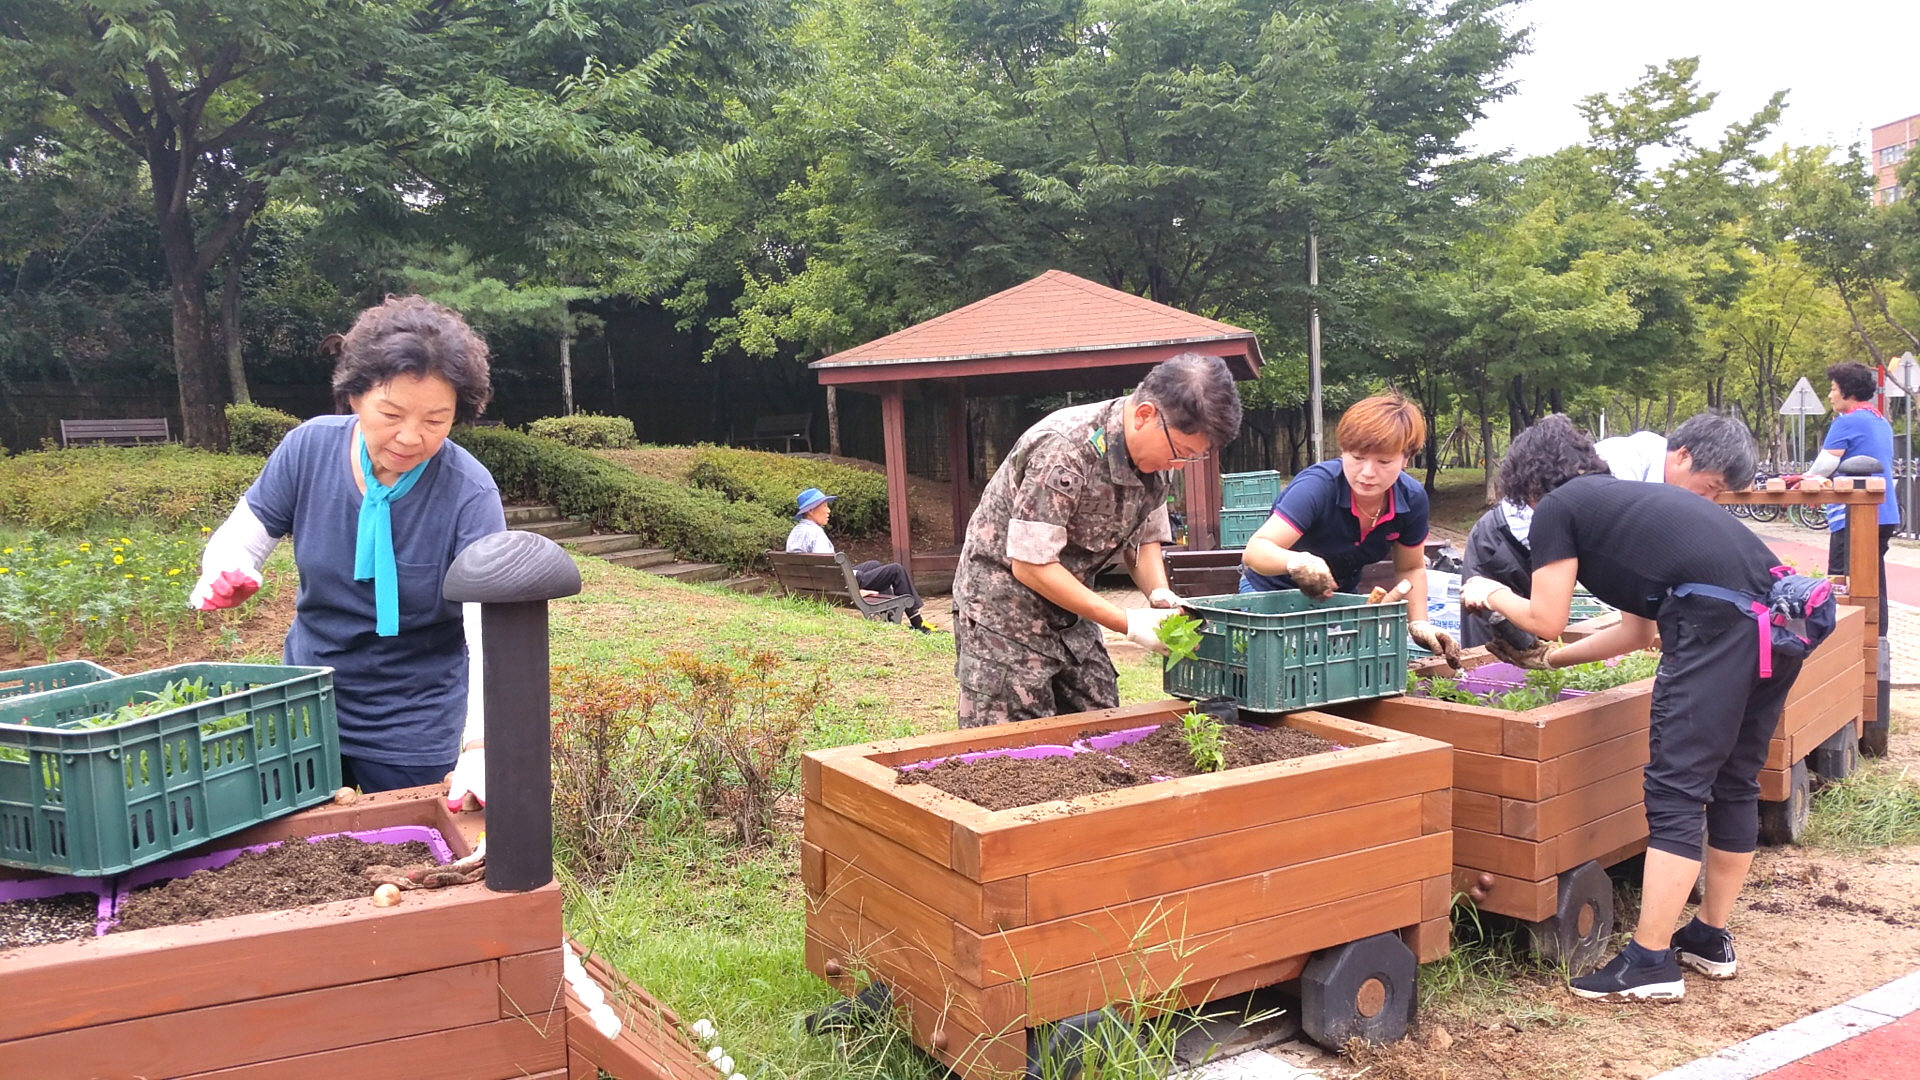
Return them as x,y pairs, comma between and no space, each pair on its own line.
257,629
288,875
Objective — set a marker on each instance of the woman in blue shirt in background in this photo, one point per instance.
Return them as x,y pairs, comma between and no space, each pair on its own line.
1337,516
379,502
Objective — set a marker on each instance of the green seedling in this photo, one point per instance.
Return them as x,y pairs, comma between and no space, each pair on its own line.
1205,741
1181,635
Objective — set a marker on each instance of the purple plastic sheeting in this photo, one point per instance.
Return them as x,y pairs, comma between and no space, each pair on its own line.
179,868
1109,739
60,885
1042,751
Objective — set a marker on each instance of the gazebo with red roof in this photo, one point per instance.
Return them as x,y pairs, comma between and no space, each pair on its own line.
1055,333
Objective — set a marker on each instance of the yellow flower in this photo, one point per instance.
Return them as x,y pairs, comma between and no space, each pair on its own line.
4,570
6,551
129,577
175,572
205,529
118,559
124,540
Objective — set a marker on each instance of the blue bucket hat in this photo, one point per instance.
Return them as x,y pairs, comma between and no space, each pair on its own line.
811,498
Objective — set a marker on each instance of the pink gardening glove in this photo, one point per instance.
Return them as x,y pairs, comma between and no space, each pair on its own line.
228,588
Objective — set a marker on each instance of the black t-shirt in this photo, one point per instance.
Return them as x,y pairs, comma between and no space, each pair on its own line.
1635,541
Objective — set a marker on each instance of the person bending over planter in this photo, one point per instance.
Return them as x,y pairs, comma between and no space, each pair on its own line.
379,502
1338,516
809,535
1707,454
1713,712
1083,485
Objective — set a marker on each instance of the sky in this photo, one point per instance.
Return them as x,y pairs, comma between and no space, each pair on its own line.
1848,65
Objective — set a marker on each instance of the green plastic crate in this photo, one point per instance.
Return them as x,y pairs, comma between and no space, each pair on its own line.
35,680
1249,490
1281,651
97,801
1238,526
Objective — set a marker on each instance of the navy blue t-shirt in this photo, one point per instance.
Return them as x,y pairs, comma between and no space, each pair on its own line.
402,700
1319,505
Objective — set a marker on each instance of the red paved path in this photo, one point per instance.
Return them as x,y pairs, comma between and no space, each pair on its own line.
1888,1052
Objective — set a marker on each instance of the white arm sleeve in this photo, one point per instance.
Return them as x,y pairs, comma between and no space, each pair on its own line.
1824,463
240,543
476,695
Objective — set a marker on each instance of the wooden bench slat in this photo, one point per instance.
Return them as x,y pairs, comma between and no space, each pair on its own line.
786,428
830,577
128,432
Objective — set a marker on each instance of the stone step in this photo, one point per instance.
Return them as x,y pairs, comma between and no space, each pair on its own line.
523,515
557,530
603,544
750,584
640,558
691,571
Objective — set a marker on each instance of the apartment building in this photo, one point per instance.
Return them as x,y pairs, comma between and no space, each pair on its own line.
1892,143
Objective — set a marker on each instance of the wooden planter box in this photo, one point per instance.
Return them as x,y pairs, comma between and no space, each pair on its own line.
1826,698
983,923
460,983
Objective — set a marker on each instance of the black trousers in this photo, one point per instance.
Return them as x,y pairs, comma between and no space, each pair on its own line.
1837,561
888,578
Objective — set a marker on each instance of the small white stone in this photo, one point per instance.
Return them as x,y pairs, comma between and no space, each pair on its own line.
591,995
715,1054
604,1019
725,1063
703,1028
738,1076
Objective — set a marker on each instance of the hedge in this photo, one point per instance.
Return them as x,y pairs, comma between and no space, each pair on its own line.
256,429
91,486
773,480
589,431
692,522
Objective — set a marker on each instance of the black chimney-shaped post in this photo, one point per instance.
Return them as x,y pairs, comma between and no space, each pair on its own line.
512,575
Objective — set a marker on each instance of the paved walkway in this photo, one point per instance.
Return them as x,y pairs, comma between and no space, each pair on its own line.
1876,1036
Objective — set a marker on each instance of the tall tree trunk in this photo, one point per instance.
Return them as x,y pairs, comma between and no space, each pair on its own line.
203,393
833,421
566,371
230,333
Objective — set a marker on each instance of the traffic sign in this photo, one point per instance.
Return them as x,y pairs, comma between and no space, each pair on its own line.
1802,401
1902,372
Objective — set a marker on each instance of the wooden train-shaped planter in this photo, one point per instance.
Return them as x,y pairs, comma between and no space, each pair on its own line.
460,983
987,927
1546,799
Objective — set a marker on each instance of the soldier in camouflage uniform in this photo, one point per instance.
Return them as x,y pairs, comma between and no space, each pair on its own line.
1083,485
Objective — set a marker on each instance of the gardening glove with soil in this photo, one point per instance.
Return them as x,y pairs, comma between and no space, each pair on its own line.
1163,598
469,777
230,566
432,875
1310,574
1476,591
1436,641
1141,624
1534,659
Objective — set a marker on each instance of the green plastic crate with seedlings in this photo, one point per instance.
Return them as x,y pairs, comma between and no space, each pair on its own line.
106,776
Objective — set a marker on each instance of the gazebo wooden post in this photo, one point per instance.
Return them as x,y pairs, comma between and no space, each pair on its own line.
959,459
1203,503
893,432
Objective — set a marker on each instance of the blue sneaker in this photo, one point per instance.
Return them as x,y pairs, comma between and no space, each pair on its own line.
1637,974
1706,949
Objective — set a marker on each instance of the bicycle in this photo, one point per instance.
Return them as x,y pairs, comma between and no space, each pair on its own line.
1760,511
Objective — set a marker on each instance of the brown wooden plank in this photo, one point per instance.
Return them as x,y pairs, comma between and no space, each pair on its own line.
974,1055
1200,991
1505,895
813,867
1567,727
978,906
1597,838
1775,785
1501,855
651,1043
1430,939
1436,892
837,936
1807,725
1206,958
1840,650
264,1029
909,824
902,914
530,984
1436,811
1466,727
1617,755
518,1049
1501,776
1099,883
1184,809
1150,923
1561,813
1476,810
75,984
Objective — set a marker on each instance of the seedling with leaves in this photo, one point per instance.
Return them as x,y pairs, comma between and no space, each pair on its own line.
1206,741
1181,635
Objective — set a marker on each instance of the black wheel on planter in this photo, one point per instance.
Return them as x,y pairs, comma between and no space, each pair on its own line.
1577,932
1361,990
1784,822
1837,758
1064,1050
868,1007
1873,738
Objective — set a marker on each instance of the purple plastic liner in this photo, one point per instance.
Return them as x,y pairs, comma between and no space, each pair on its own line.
1042,751
60,885
179,868
1109,739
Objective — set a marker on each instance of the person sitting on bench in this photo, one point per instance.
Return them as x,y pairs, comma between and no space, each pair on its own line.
809,535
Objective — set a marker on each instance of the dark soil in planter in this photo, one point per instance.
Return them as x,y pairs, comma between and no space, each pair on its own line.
289,875
1002,783
55,918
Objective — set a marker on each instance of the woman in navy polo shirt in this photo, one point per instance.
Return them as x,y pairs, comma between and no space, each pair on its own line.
379,502
1338,516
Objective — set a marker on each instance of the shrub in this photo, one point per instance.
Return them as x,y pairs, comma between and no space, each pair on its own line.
773,480
589,431
744,719
256,429
69,490
611,769
692,522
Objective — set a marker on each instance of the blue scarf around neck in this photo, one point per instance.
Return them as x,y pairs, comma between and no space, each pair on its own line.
373,541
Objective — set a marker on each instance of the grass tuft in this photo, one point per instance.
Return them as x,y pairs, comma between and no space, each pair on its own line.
1878,806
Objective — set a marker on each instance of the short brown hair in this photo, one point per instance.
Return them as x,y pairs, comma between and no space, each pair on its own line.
1384,422
411,335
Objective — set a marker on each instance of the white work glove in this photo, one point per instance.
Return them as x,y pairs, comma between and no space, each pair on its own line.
1436,641
1163,598
1476,591
1141,624
469,777
230,565
1310,574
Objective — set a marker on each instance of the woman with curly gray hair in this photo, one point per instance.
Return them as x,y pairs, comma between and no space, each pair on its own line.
1635,546
379,502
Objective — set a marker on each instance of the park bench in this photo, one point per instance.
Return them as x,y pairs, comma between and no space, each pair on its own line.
114,432
786,429
830,578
